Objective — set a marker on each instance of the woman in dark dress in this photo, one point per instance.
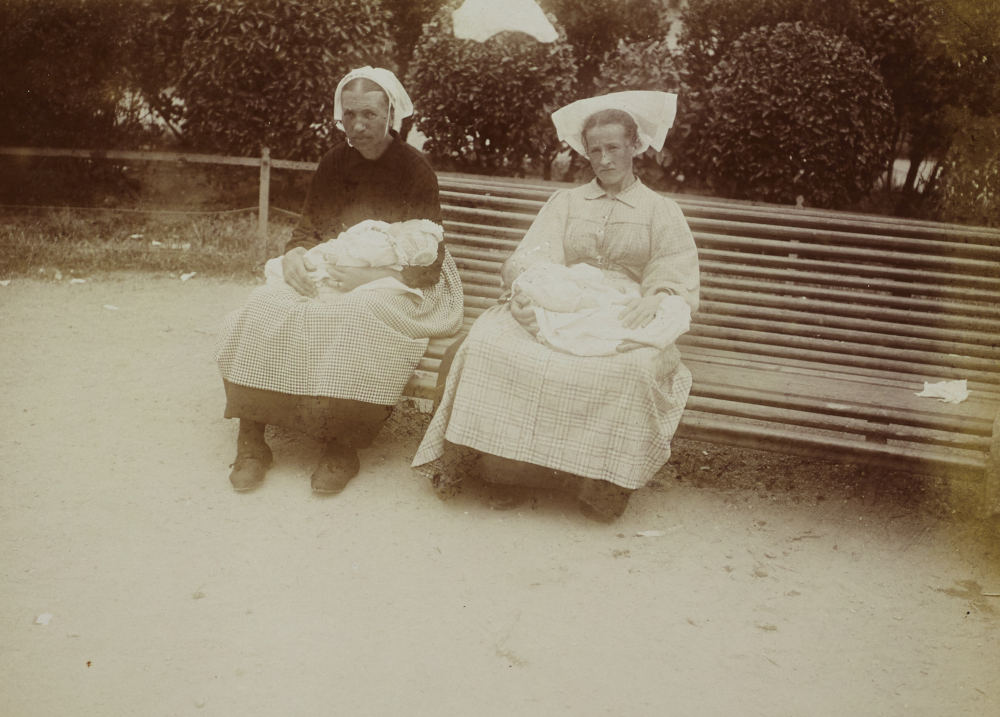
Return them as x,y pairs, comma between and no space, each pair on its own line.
335,370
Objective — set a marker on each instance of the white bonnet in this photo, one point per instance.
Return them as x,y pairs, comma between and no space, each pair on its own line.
399,101
652,111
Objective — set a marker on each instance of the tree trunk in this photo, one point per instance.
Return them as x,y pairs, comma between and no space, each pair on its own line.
890,169
917,157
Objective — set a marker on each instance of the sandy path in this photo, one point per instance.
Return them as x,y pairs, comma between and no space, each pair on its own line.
171,595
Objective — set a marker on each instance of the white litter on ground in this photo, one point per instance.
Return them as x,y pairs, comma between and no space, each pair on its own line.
947,391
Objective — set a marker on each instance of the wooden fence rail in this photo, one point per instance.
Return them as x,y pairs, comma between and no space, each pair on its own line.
531,189
264,162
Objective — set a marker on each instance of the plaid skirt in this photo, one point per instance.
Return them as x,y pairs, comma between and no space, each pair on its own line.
363,347
604,417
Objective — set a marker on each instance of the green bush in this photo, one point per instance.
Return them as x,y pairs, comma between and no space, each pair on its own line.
595,27
710,27
968,189
408,18
484,107
794,110
263,72
931,54
64,77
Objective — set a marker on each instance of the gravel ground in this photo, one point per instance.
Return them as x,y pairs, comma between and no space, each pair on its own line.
135,582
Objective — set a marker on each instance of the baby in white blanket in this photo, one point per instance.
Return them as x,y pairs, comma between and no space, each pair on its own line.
578,310
369,243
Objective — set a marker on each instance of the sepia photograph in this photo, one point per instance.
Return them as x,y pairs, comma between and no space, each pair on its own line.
442,358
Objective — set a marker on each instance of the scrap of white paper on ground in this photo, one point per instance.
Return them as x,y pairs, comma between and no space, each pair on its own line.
947,391
480,20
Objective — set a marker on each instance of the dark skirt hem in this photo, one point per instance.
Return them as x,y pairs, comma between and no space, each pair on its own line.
352,423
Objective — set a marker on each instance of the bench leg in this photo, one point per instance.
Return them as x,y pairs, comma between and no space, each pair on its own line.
992,488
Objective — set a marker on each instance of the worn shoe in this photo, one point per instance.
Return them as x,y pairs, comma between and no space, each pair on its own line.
500,496
602,501
249,469
336,468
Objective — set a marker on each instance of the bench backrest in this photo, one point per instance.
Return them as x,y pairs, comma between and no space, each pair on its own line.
853,290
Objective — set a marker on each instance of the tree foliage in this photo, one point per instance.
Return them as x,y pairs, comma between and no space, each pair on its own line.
968,38
929,53
969,188
408,18
263,72
794,110
595,27
485,106
65,77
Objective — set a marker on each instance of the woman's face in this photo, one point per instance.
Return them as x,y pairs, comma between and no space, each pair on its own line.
610,155
366,121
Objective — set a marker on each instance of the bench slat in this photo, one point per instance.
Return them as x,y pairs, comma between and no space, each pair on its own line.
984,268
857,302
797,235
825,391
743,210
818,320
770,333
927,282
837,448
856,426
838,355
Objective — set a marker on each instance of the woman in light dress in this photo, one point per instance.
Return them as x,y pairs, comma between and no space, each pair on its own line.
518,413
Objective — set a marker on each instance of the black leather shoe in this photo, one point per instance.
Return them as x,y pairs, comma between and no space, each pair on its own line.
249,469
336,468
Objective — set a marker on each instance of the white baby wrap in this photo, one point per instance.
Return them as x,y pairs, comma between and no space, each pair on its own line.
578,310
370,243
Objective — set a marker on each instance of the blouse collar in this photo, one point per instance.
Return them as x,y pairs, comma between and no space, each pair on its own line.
628,196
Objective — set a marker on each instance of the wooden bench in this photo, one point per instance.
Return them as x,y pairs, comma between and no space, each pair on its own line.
816,328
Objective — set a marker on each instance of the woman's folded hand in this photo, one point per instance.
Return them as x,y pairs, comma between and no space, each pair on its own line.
296,267
523,313
639,312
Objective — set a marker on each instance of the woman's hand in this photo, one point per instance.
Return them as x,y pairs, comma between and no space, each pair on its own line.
345,278
639,312
520,309
296,270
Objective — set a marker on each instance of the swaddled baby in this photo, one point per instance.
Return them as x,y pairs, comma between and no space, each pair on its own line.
578,310
371,243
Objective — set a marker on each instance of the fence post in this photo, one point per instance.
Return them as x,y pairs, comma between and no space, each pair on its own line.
264,200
